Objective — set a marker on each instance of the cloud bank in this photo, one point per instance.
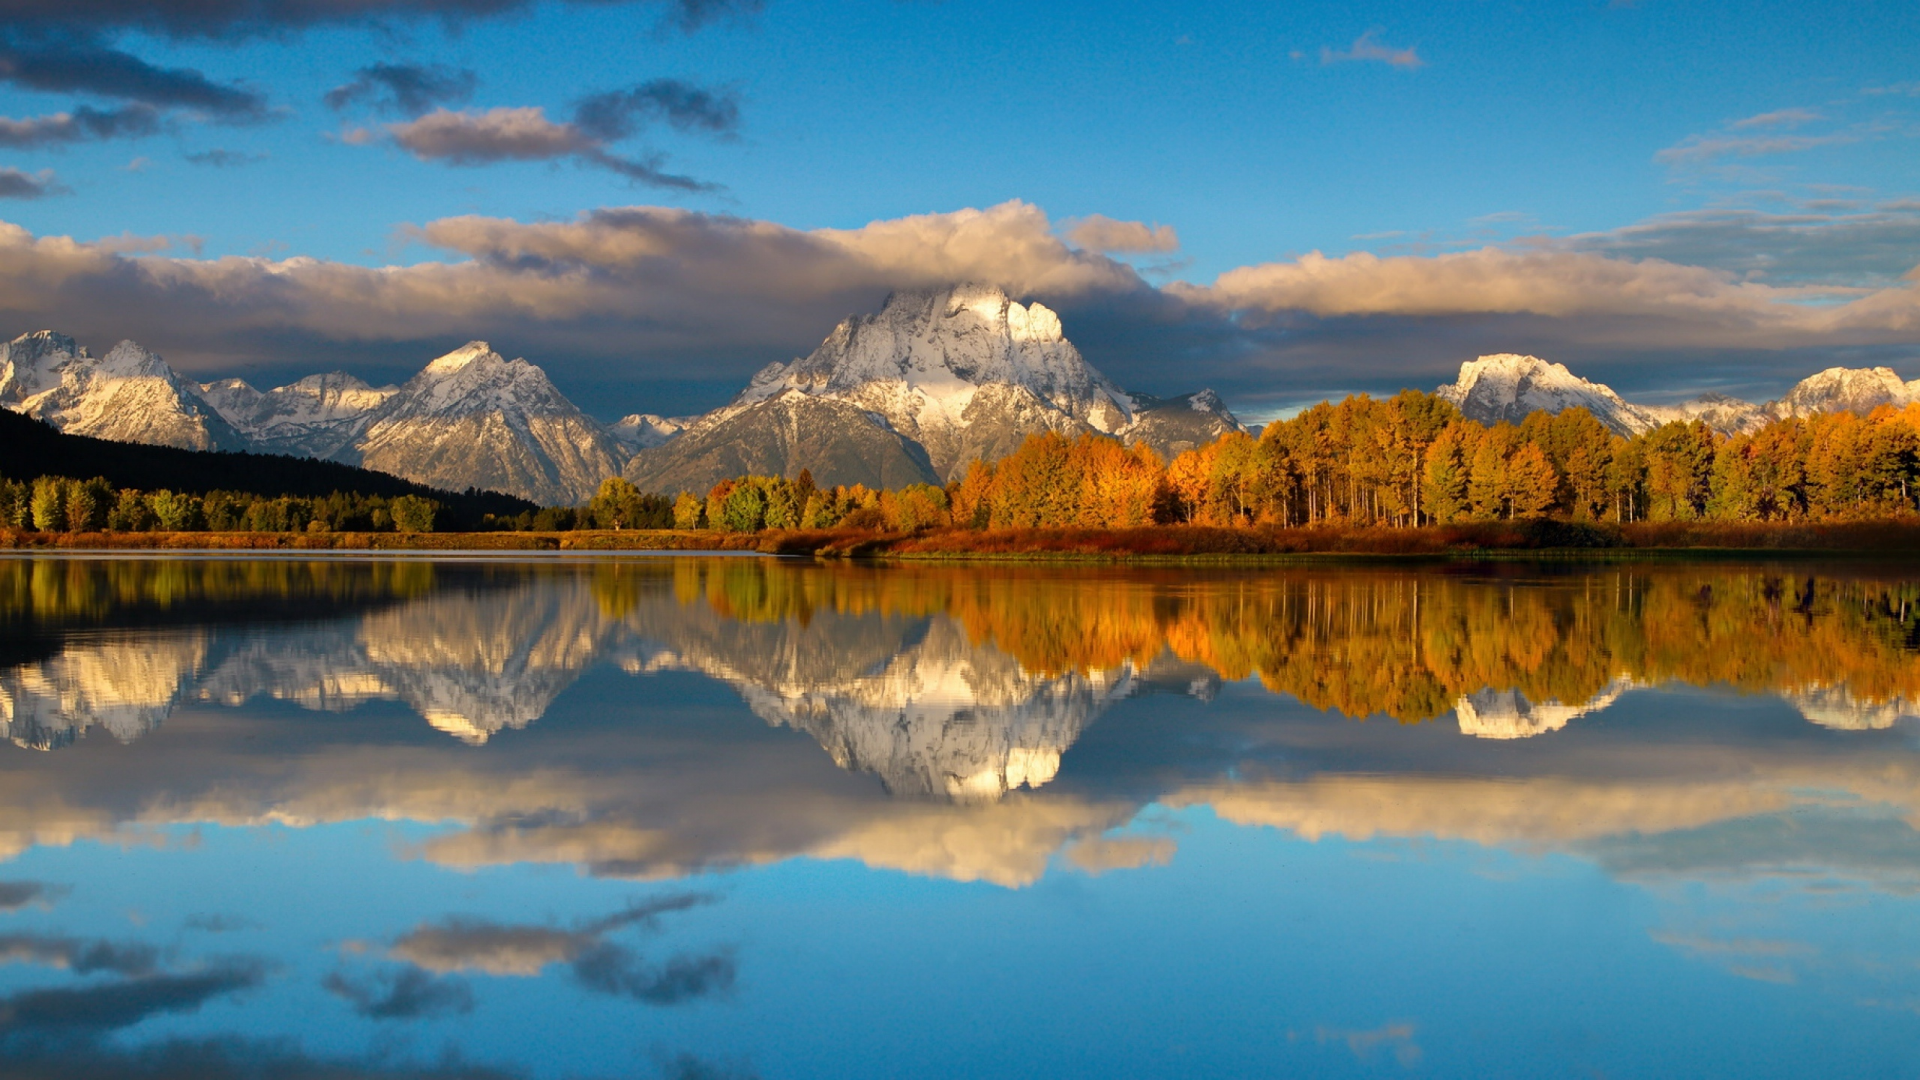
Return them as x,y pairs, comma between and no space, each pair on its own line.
649,297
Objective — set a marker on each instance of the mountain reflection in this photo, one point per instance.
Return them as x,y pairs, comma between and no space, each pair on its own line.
943,681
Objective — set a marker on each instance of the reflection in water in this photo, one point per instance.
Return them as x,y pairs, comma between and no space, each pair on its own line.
1745,728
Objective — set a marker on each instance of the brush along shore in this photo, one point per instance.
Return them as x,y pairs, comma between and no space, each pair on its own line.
1171,542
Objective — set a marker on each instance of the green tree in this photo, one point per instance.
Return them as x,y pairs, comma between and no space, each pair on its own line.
50,503
689,511
411,513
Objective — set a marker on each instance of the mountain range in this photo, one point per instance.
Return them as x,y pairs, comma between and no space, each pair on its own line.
1506,387
909,394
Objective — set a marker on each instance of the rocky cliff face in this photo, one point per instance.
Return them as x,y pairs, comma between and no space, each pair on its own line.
128,395
318,416
1506,387
474,419
839,441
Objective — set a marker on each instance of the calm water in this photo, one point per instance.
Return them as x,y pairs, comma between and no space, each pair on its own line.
702,818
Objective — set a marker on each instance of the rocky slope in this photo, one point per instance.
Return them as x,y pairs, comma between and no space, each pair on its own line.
128,395
474,419
960,373
317,416
1506,387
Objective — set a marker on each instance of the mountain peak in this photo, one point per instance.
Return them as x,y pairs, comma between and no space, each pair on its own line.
1508,386
460,358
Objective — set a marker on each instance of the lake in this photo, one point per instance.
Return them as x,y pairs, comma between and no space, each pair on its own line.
696,817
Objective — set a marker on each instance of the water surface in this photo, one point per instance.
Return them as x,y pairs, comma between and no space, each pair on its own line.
693,817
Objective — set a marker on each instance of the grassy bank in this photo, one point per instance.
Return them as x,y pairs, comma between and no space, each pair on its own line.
1160,543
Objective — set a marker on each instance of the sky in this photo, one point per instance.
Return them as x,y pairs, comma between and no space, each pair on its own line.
653,199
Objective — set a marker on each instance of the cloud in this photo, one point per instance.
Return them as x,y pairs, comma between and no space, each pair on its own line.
406,994
471,137
1787,118
1097,855
224,159
16,184
1363,1044
246,18
93,1058
82,124
1695,149
15,895
1097,232
617,114
1869,249
80,957
608,968
80,65
406,90
519,949
115,1005
1368,47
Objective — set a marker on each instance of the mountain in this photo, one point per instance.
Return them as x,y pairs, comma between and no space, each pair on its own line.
960,373
1858,390
643,431
317,416
29,447
1175,425
128,395
474,419
839,441
1508,387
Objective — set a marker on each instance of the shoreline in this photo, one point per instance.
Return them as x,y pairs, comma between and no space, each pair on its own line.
1160,545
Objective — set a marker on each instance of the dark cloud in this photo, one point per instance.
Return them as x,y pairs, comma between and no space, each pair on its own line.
471,137
219,924
15,895
116,1005
1870,249
404,90
617,114
406,994
598,965
67,64
16,184
224,159
85,1058
82,957
82,124
244,18
608,968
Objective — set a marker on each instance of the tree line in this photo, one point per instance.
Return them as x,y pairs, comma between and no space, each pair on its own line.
63,504
1398,462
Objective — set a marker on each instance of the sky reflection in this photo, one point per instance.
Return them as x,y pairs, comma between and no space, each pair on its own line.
709,818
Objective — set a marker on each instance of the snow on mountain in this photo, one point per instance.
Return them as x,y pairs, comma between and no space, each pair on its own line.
1507,386
962,373
474,419
1858,390
839,442
128,395
1508,714
317,416
1720,412
644,431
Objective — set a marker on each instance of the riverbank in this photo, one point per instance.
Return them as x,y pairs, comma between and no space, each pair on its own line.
1155,544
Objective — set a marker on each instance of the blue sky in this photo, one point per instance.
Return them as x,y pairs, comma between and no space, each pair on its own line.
1763,144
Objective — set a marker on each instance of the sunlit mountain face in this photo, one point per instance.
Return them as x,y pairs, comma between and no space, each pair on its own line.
740,816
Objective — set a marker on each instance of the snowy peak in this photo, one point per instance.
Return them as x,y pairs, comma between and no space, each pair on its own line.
1508,386
1857,390
315,416
128,395
645,430
460,358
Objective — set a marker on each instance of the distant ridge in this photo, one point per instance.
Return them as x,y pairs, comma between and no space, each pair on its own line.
30,448
1508,386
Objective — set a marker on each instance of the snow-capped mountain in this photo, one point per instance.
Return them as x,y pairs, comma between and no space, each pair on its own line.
1508,387
1859,390
964,372
128,395
474,419
317,416
642,431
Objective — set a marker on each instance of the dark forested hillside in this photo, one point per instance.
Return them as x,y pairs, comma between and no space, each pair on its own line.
29,448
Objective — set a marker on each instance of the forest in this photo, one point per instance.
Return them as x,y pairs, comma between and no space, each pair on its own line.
1406,461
